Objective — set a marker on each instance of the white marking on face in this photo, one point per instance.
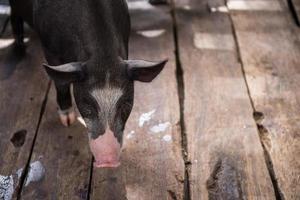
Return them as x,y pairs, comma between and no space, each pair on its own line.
152,33
130,135
6,187
145,117
160,127
214,41
140,5
254,5
107,99
36,172
167,138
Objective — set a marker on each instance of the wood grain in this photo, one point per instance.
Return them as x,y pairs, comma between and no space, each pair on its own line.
270,51
20,103
204,6
152,166
227,159
64,154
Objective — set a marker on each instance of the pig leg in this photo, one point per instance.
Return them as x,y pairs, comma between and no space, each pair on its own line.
64,100
18,31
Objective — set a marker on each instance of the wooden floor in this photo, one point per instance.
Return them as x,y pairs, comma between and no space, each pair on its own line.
222,121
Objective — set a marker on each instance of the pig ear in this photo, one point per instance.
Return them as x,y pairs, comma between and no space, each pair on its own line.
66,73
144,71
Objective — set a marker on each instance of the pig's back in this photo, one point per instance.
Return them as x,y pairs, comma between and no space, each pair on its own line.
74,31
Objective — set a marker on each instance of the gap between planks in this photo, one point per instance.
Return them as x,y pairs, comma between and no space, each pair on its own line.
268,160
246,96
180,89
27,166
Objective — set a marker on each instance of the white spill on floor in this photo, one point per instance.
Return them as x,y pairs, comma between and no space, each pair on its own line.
7,42
152,33
222,9
36,172
26,39
5,10
160,127
140,5
167,138
145,117
19,173
130,135
263,5
214,41
187,7
6,187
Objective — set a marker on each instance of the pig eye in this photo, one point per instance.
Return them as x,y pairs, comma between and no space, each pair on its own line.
86,111
87,108
125,104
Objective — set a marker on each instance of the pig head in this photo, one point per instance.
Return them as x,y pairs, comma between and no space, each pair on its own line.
105,100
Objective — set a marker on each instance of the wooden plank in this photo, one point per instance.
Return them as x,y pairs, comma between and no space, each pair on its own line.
62,157
269,47
258,5
152,164
227,159
23,86
4,2
190,5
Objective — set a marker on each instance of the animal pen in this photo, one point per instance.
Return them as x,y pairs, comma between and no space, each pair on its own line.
220,122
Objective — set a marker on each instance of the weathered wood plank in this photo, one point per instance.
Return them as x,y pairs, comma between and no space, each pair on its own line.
227,160
152,164
63,157
269,47
4,2
23,86
60,160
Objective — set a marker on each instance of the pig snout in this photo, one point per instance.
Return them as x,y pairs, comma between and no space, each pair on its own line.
106,150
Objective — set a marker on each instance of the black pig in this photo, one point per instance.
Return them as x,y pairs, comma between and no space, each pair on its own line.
85,43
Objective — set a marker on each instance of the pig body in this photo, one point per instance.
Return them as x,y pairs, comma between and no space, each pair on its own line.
74,32
86,44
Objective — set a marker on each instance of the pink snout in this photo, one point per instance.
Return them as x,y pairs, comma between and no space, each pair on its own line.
106,150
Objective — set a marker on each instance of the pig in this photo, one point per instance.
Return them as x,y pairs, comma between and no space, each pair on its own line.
85,44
